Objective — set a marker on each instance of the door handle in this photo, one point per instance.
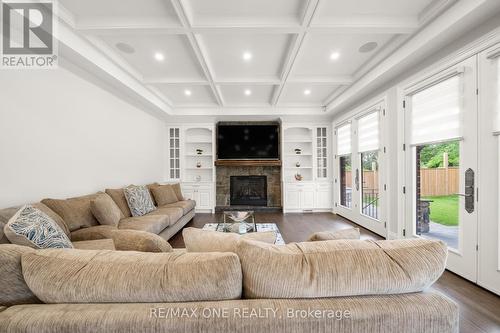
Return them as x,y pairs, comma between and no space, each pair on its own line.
469,191
356,180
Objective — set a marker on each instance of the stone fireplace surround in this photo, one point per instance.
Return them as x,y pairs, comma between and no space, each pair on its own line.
273,174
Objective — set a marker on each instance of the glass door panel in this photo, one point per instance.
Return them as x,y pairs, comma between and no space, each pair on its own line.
437,190
370,182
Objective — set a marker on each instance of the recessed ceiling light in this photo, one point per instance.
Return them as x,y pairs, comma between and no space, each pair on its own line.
248,92
187,92
247,56
368,47
307,92
125,48
159,56
334,56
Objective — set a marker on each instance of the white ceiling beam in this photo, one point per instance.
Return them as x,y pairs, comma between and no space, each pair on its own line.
322,80
176,81
295,49
108,27
367,24
245,111
434,9
184,18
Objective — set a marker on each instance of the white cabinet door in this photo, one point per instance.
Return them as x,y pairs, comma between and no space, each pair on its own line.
323,199
204,198
292,197
307,197
201,193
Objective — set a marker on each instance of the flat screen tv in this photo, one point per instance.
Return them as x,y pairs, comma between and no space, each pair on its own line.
254,141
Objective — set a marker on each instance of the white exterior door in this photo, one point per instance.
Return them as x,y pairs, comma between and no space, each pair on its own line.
441,142
489,170
359,161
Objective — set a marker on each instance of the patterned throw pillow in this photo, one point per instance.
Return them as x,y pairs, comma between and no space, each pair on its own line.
32,227
139,200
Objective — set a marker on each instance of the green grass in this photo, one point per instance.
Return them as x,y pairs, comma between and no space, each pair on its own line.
444,209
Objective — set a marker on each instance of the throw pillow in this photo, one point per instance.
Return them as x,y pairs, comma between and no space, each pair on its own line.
198,240
178,192
164,194
139,200
32,227
105,210
351,233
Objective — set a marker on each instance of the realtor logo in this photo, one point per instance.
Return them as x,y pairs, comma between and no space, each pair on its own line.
28,34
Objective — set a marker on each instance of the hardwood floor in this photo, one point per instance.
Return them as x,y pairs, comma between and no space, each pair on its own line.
479,308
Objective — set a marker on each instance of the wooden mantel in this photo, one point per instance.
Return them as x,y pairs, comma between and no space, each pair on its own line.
236,163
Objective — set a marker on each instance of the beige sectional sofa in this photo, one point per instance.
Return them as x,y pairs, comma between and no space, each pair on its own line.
326,286
140,233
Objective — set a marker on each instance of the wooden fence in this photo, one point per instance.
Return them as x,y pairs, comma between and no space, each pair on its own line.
439,181
433,182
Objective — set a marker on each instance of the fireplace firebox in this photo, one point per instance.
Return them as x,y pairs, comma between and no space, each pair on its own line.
248,190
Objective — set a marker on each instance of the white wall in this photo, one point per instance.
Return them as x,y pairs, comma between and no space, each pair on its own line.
62,136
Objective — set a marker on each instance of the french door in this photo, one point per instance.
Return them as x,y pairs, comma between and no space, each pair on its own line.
441,140
489,164
360,164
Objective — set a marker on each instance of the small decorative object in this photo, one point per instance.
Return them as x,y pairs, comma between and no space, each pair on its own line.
198,178
297,164
199,151
298,177
239,222
298,151
198,164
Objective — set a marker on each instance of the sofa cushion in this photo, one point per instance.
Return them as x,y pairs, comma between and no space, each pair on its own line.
14,289
163,194
85,276
428,312
178,191
7,213
91,233
139,200
118,196
186,205
198,240
74,211
149,223
135,240
174,213
124,240
340,267
32,227
105,210
351,233
98,244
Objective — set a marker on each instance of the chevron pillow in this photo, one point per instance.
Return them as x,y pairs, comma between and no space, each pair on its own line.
32,227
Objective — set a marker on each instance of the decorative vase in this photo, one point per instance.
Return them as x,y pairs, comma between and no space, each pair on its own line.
298,177
198,164
297,164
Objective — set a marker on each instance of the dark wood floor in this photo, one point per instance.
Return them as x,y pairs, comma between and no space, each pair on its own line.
479,309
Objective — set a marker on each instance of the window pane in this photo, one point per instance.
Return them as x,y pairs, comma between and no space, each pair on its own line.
437,185
370,181
345,181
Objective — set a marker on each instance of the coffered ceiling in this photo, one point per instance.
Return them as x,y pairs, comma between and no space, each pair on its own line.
247,53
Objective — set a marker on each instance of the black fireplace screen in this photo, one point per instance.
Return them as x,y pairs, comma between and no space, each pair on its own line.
248,190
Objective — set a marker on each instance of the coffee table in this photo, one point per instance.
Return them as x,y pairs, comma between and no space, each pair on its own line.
260,227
